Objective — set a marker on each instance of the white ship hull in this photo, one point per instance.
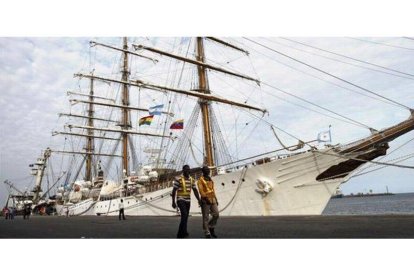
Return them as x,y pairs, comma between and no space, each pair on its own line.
83,208
295,191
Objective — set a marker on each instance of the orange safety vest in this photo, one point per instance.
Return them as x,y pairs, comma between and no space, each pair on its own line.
206,188
184,191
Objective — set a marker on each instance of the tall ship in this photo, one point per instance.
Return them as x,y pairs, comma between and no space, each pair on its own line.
128,138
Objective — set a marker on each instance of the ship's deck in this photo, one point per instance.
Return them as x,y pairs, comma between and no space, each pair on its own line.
296,227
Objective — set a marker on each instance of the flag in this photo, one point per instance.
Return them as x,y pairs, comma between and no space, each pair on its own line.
146,120
324,136
177,124
156,110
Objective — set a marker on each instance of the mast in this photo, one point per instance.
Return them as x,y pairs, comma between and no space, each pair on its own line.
202,93
203,88
125,112
147,85
90,138
39,172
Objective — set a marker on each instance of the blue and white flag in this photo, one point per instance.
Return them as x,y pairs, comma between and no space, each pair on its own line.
324,136
156,110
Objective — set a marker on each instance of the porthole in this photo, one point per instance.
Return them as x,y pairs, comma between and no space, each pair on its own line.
233,181
222,184
243,180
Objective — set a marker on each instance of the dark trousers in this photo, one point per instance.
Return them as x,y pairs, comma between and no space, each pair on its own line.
184,207
121,211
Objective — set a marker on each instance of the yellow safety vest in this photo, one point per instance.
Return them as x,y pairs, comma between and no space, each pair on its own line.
206,188
184,191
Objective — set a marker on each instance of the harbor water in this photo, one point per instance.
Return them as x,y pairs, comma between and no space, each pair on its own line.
371,205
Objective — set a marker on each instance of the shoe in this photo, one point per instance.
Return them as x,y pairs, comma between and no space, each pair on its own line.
186,235
208,236
212,233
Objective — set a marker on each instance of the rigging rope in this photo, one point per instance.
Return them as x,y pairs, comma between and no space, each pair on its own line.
80,168
83,212
355,59
241,178
399,159
329,74
180,154
300,145
200,164
403,158
315,111
114,149
349,158
321,79
48,184
272,125
21,179
53,185
133,155
319,106
157,207
221,152
394,150
354,122
368,161
170,108
143,202
381,43
312,147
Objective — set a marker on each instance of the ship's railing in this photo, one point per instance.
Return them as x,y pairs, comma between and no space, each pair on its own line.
253,161
355,143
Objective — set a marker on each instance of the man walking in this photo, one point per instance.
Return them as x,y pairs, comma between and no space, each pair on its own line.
26,212
209,203
121,210
182,190
6,212
11,213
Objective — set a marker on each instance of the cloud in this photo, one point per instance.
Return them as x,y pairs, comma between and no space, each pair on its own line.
35,74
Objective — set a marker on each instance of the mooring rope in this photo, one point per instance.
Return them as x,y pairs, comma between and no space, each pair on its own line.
300,144
241,179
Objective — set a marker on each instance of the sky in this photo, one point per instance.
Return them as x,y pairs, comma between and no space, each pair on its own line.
36,72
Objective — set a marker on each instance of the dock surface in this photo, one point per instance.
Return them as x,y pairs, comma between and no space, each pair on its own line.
291,227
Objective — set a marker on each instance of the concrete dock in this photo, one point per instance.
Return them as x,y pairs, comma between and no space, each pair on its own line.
291,227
